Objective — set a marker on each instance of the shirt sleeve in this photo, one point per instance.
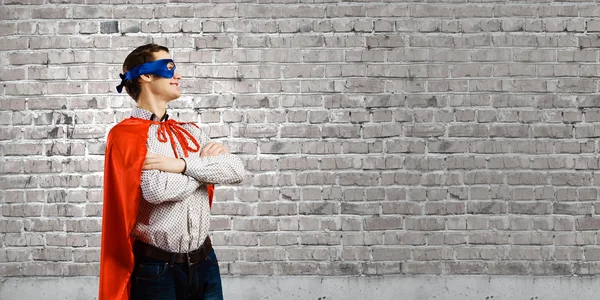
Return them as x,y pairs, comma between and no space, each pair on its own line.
222,169
159,186
225,168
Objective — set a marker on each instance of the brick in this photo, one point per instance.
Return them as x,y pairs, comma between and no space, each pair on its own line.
99,12
254,224
356,253
558,11
125,12
42,269
82,269
272,180
53,254
318,208
320,239
13,182
88,225
9,29
383,130
391,254
11,167
353,194
297,131
360,208
432,253
54,13
336,163
385,41
424,224
10,134
247,268
109,27
86,255
404,238
413,267
360,239
244,239
9,43
235,209
335,11
383,223
315,178
265,254
444,208
11,226
254,131
430,11
209,42
23,239
13,255
530,208
527,238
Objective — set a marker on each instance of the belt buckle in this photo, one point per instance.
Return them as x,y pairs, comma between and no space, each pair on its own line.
195,252
171,260
188,258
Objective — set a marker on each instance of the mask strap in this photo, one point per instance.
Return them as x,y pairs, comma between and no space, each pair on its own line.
120,86
137,71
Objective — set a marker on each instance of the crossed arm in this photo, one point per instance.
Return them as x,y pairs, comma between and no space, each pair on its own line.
173,179
175,165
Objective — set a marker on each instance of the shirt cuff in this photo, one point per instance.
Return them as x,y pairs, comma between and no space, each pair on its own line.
184,166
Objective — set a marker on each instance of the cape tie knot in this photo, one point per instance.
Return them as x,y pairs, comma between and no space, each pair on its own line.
171,130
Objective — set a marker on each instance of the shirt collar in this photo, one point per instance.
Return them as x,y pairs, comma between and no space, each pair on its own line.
141,113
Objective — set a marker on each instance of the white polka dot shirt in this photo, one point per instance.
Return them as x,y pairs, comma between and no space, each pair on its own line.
174,213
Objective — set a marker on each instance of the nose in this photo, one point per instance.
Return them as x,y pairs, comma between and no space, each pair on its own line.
177,75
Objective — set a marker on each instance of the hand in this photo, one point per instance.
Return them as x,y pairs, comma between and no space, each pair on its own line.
162,163
213,149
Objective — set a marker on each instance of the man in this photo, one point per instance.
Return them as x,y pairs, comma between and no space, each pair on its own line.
158,188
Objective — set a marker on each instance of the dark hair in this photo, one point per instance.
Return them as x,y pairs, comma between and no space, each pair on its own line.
140,55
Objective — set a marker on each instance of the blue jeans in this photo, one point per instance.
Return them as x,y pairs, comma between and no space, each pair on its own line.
156,280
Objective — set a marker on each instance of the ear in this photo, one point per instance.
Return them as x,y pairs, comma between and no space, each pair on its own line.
146,77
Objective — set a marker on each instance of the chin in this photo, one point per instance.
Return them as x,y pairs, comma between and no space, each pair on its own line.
174,97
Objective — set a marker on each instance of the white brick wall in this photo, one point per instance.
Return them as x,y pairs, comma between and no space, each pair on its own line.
380,137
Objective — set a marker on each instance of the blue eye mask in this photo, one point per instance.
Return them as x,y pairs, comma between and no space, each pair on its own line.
158,67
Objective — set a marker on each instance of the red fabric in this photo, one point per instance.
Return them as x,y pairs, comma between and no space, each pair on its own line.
171,128
125,154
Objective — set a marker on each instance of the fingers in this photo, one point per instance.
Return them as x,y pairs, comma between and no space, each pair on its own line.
204,150
209,149
149,165
151,161
150,158
220,149
216,148
213,149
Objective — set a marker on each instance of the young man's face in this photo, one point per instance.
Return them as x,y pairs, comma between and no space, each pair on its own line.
165,88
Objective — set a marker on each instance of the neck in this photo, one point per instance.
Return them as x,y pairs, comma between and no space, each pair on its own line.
155,106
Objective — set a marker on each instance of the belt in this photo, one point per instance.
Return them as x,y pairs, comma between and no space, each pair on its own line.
194,257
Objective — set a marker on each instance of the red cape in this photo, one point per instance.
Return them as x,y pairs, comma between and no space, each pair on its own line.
125,154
